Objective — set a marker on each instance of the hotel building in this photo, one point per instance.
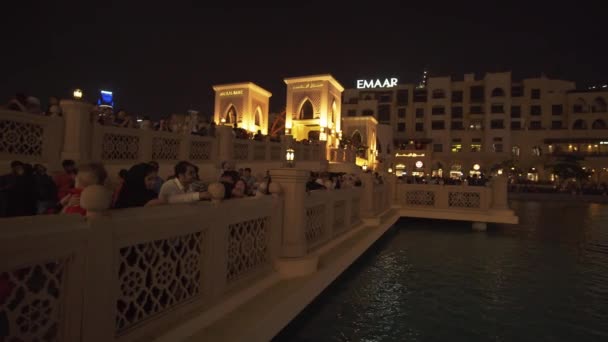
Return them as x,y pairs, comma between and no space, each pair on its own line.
476,125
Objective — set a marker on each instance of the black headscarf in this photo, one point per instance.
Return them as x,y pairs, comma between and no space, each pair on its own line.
134,192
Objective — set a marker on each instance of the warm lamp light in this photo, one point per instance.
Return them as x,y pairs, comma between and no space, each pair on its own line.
222,120
500,171
290,156
323,122
476,167
364,167
419,164
77,94
390,170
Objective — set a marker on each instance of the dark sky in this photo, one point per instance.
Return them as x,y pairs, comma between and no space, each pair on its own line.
165,59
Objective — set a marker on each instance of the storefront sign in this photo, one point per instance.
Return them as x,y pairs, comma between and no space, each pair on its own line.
409,155
232,92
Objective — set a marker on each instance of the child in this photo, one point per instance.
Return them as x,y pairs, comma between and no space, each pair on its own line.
88,174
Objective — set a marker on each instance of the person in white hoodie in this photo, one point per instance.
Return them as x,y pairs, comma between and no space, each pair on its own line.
178,189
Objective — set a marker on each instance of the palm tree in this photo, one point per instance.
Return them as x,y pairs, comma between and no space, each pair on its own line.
567,167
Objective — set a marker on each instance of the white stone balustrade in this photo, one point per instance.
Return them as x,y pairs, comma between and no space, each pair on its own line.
444,196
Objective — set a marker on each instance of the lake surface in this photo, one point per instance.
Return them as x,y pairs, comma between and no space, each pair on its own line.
545,279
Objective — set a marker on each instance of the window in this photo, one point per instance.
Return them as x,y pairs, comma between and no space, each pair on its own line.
437,147
537,151
401,113
438,110
419,127
368,112
476,145
535,125
457,125
438,94
515,125
457,112
476,110
535,110
497,124
556,125
598,124
385,98
476,94
515,151
352,112
384,113
599,105
579,124
497,108
419,112
535,94
515,111
438,125
457,96
497,147
456,145
557,109
580,106
498,92
420,95
401,127
306,111
403,97
476,125
517,91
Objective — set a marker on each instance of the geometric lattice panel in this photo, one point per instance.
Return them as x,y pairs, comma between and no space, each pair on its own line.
275,152
315,224
464,199
420,197
247,247
20,138
200,150
165,148
259,152
241,151
31,302
119,147
156,276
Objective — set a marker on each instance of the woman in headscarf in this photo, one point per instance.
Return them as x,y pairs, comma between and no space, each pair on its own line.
137,190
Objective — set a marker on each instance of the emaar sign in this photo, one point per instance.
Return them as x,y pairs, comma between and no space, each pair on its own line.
377,83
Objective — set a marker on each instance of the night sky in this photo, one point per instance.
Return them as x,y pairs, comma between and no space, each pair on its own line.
165,59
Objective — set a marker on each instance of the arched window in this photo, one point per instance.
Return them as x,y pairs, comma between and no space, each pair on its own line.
598,124
334,111
537,151
580,106
378,146
356,139
231,114
579,124
258,117
599,105
515,150
307,111
498,92
438,94
368,112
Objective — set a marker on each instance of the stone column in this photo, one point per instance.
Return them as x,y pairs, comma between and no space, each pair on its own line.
225,139
391,188
367,196
78,130
499,193
293,252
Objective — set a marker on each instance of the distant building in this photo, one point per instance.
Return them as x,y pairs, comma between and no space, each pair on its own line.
467,126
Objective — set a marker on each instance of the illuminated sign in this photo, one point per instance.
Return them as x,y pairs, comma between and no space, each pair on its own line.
232,92
603,142
409,155
419,164
377,83
106,99
308,85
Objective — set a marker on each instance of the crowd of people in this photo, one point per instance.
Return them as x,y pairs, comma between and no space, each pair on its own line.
30,104
30,190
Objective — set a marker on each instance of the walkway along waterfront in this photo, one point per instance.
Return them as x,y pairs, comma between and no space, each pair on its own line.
220,271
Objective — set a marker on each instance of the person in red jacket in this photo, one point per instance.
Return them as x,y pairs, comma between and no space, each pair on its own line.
89,174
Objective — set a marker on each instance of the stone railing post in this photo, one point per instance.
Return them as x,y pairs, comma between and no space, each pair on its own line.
391,188
225,140
367,197
441,195
77,131
293,254
98,320
499,193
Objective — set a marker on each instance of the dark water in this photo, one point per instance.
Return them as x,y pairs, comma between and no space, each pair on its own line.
545,279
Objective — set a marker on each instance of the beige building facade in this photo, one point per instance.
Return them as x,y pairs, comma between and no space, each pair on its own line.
472,125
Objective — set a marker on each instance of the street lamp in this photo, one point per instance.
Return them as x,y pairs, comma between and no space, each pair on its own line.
390,170
364,167
223,120
77,94
289,157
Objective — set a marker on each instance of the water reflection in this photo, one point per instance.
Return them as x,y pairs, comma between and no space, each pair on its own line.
544,279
